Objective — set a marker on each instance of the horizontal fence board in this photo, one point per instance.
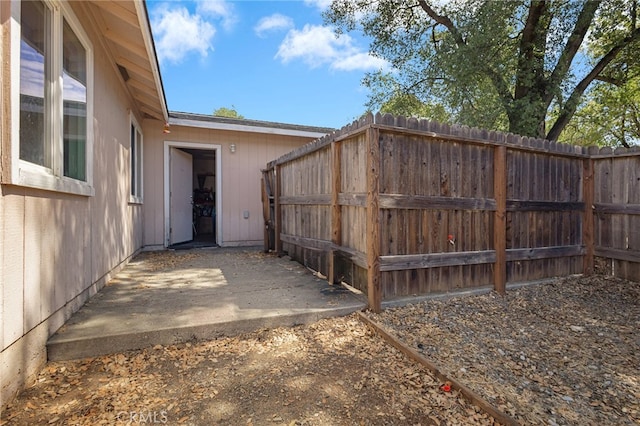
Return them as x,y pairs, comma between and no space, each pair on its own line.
618,254
544,252
352,199
355,256
307,243
399,201
313,199
525,205
610,208
420,261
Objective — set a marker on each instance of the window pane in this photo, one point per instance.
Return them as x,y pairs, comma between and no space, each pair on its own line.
134,156
74,93
34,82
138,164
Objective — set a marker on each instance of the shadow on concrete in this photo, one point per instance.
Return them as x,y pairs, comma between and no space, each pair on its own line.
177,296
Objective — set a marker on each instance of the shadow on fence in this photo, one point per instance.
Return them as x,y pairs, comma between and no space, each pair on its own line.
399,207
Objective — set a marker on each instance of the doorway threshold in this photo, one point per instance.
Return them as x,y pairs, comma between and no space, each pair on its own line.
193,244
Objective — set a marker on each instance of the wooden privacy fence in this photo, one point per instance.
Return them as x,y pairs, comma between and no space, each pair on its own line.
397,207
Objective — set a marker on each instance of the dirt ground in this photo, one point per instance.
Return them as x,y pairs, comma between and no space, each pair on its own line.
333,372
567,352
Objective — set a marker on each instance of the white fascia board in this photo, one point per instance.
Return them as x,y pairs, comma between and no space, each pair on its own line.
243,128
152,58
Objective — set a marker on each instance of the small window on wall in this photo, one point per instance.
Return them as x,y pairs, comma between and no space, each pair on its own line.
136,162
54,146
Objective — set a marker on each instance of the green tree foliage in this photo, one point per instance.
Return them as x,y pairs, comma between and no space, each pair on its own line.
227,112
522,66
409,105
609,116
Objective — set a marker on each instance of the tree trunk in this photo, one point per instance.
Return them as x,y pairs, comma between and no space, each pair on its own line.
527,117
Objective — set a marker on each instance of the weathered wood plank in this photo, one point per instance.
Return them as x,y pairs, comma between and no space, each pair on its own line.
357,200
307,243
544,252
477,141
611,208
374,294
500,216
618,254
401,201
278,209
434,260
336,209
306,200
357,257
587,219
555,206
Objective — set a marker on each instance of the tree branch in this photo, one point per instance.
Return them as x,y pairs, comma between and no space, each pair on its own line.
443,20
572,103
496,78
611,80
528,66
570,49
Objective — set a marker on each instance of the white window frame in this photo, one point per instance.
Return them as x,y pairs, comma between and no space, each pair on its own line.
25,173
136,195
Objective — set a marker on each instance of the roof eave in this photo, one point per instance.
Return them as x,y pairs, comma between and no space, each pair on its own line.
213,125
147,35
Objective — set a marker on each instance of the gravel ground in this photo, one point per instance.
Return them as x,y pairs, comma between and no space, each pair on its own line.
567,352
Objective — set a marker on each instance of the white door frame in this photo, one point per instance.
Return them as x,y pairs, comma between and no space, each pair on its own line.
193,145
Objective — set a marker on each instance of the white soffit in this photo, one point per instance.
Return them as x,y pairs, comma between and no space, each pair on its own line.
124,26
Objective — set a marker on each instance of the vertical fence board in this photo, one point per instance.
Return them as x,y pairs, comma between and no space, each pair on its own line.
587,227
374,295
500,237
336,211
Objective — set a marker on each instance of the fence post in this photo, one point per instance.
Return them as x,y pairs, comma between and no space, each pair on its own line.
336,210
500,218
587,219
265,211
277,208
373,223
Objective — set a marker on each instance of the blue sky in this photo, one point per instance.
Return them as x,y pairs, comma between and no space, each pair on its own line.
271,60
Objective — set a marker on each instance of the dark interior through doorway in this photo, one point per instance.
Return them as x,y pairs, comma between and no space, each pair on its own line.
204,199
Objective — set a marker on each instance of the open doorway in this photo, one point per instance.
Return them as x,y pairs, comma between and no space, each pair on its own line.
192,195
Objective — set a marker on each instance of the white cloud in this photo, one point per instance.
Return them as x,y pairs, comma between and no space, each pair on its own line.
317,45
359,61
273,22
320,4
219,9
179,33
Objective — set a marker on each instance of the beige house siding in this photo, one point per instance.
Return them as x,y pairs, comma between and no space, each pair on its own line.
57,249
240,178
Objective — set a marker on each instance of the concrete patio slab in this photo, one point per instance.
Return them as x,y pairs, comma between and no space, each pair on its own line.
178,296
